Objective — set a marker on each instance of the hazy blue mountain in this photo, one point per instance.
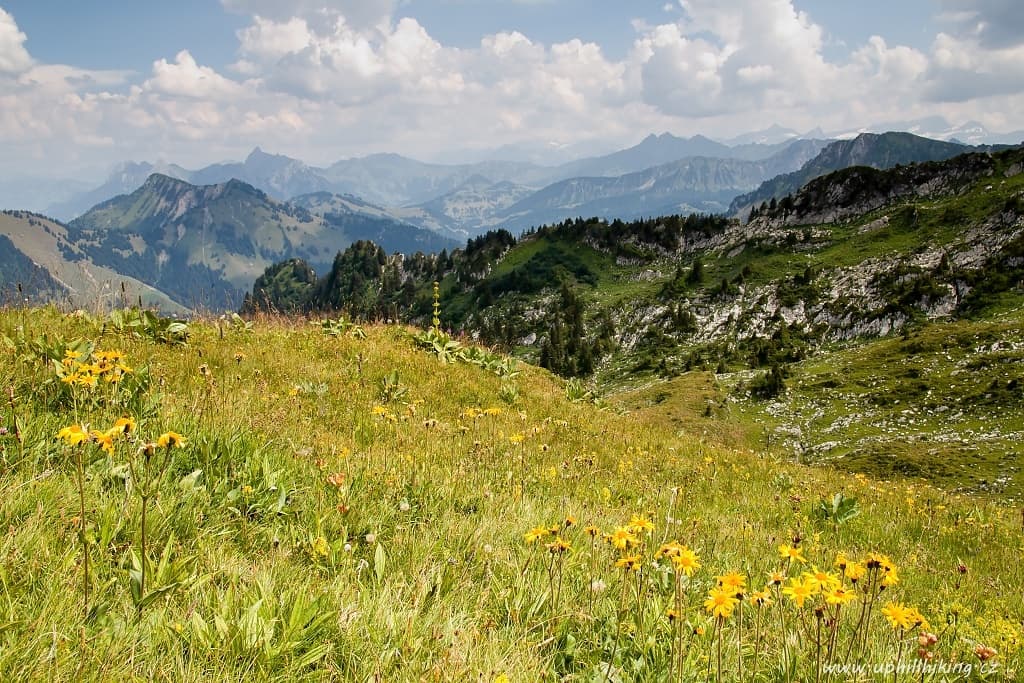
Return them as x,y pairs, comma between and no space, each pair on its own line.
772,135
205,245
124,178
700,184
867,149
394,180
470,207
279,176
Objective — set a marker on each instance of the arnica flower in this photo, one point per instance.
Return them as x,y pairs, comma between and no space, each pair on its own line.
535,534
108,356
791,553
821,582
170,439
899,616
640,525
733,581
629,563
591,531
492,411
74,435
686,561
761,598
623,538
672,614
721,602
839,595
124,425
670,549
86,379
880,561
917,619
104,439
798,591
891,578
854,571
777,578
558,546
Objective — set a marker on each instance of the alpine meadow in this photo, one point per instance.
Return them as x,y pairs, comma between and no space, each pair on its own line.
373,341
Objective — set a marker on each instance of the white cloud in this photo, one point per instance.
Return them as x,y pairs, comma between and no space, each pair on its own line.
268,40
185,78
964,69
321,14
323,80
14,58
993,24
733,55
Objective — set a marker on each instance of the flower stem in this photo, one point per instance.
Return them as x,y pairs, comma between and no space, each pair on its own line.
80,475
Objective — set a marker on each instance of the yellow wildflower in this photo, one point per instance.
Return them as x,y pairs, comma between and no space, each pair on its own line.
124,425
170,439
629,563
558,546
686,561
792,553
898,615
534,534
104,439
640,524
73,435
798,591
839,595
821,581
854,571
623,538
733,581
720,602
761,598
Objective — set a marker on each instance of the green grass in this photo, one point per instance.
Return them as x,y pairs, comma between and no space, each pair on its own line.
310,531
943,403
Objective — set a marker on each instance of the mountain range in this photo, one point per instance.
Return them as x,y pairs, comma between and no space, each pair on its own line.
204,244
181,246
879,151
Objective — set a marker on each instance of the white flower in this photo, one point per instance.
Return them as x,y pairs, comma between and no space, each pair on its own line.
371,538
404,506
597,586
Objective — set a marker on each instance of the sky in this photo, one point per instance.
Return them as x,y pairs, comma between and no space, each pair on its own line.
87,84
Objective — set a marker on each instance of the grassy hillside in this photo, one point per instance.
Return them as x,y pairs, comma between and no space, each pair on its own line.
342,505
81,282
944,402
